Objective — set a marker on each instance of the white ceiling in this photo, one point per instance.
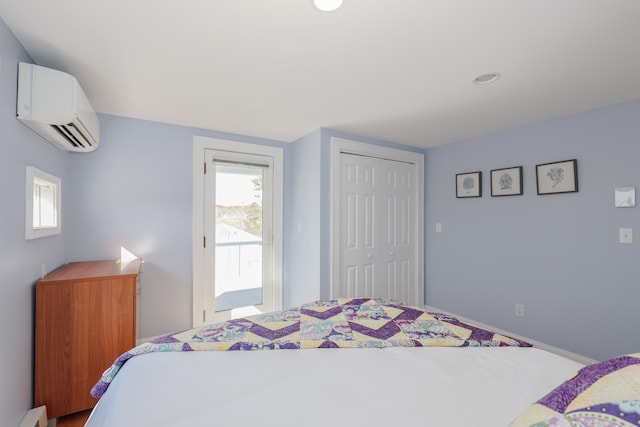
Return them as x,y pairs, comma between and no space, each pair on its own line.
398,70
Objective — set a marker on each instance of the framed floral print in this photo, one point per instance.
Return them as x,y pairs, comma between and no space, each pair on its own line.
469,184
557,177
506,181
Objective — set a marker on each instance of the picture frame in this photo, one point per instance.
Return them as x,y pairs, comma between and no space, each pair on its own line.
506,181
469,184
557,177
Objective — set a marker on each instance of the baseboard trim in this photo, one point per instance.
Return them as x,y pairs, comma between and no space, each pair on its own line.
36,417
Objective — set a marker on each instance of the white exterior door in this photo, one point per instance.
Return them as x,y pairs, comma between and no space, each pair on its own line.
237,252
238,224
377,229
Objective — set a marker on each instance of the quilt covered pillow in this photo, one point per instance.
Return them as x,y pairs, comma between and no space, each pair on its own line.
605,394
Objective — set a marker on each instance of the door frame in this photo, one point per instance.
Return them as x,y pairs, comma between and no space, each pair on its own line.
200,145
339,146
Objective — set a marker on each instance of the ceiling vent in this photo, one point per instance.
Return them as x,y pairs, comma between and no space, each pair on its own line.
53,104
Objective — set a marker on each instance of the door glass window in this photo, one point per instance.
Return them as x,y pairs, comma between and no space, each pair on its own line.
238,236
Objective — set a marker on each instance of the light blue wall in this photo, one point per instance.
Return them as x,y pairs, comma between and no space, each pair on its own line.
302,248
556,254
20,260
135,191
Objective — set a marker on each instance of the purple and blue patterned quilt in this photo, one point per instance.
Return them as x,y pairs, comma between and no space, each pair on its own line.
339,323
605,394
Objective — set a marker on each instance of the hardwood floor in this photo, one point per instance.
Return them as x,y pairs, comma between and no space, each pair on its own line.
74,420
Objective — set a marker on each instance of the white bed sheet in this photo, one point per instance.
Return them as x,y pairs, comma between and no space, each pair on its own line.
331,387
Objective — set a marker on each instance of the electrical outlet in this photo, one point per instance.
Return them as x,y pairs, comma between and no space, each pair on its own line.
520,310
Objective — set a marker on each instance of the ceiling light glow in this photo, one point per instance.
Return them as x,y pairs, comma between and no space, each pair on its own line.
327,5
486,79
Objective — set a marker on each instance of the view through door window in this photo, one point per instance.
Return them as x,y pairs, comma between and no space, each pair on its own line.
239,218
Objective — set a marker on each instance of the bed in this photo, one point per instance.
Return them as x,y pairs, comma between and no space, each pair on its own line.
345,366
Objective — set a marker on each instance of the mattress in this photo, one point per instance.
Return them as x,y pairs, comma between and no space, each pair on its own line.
427,386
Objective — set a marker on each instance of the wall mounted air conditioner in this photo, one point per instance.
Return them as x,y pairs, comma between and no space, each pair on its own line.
53,104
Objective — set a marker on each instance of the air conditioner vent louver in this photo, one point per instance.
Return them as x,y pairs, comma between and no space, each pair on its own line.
73,135
53,104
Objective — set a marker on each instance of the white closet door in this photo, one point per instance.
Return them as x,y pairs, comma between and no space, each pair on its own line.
377,229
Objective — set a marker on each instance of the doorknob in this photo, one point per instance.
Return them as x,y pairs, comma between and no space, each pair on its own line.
369,256
391,253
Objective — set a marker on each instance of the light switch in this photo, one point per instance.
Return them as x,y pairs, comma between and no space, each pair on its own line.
438,227
626,235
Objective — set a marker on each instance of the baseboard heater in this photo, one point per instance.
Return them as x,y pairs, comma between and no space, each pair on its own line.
36,417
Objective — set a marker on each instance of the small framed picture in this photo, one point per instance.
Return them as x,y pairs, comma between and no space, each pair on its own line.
469,184
506,182
557,177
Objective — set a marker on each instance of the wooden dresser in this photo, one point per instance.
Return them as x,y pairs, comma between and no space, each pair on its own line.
85,319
